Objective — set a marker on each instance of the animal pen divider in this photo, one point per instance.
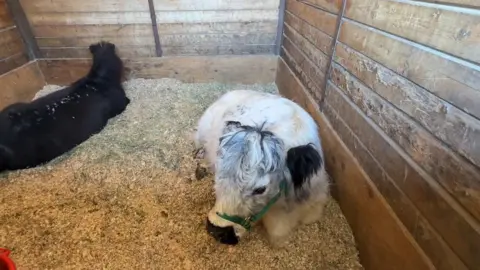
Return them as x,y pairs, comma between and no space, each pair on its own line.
394,86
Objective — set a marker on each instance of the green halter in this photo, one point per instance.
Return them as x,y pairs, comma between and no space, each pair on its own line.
247,222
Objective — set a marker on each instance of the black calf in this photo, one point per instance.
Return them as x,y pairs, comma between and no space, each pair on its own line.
34,133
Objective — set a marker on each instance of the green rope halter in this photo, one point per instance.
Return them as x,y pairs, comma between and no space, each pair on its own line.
247,222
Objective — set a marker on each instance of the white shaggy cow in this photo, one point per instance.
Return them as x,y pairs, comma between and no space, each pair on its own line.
268,163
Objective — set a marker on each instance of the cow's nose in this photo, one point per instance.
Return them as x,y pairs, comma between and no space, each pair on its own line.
224,235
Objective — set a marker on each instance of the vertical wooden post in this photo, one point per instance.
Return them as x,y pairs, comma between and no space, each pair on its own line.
332,52
158,47
24,28
281,19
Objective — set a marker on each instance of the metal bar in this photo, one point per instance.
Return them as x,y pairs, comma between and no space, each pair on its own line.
332,51
158,46
281,19
23,26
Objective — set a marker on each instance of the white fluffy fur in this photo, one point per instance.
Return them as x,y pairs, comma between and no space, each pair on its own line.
293,127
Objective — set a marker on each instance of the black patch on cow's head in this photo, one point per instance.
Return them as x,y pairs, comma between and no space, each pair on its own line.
303,162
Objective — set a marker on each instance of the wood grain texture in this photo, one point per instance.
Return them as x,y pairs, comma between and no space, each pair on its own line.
23,27
224,69
453,31
449,124
81,31
41,6
214,39
318,38
333,6
84,31
47,6
452,80
381,238
11,45
10,42
462,3
5,18
313,53
186,27
459,230
140,17
303,68
324,21
234,49
86,41
83,52
149,51
12,62
21,84
364,140
136,40
215,5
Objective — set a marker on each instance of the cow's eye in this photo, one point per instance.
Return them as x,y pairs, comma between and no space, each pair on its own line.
259,190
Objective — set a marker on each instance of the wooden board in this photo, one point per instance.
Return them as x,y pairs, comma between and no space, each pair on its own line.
313,53
39,6
463,3
225,69
80,31
354,129
21,84
83,52
454,31
12,49
319,39
149,51
169,5
10,42
305,70
24,29
12,62
324,21
47,6
449,124
139,17
450,79
381,238
83,31
5,18
86,41
333,6
235,49
460,230
187,27
218,39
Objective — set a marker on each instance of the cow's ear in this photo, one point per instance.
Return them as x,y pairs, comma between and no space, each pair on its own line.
303,162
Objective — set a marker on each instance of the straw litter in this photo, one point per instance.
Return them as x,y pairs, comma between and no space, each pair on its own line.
128,197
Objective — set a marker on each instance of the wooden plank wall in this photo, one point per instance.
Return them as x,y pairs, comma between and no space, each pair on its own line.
212,27
64,29
247,69
20,84
402,92
12,48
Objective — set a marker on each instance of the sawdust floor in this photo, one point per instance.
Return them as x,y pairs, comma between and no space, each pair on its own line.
128,199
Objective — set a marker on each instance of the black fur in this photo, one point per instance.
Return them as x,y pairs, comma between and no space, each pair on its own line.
303,162
224,235
34,133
